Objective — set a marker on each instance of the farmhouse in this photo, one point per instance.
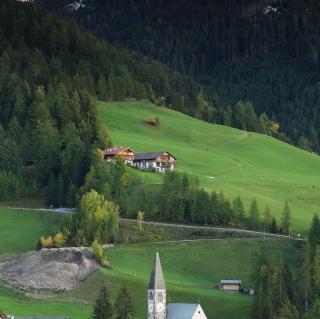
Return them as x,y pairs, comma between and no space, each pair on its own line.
157,161
157,305
125,152
232,285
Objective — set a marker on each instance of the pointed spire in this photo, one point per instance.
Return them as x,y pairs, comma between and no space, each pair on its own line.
156,278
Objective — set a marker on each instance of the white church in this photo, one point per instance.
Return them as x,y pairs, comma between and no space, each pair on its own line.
157,305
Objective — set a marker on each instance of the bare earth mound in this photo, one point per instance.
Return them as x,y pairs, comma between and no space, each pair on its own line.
52,269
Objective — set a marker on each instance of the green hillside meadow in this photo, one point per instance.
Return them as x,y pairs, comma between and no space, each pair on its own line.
237,162
192,270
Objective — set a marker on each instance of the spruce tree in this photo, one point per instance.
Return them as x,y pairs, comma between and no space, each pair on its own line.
103,308
314,233
254,215
316,271
124,308
288,311
286,219
267,219
273,226
238,209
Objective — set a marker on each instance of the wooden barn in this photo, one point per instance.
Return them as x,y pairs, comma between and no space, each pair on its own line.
155,161
231,285
125,152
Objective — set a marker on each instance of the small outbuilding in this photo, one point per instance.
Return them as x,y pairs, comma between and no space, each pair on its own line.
231,285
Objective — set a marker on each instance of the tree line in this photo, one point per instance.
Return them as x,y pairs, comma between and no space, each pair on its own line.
178,199
123,307
281,295
110,191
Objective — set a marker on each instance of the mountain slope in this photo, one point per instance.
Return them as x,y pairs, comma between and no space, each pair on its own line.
263,51
50,73
237,162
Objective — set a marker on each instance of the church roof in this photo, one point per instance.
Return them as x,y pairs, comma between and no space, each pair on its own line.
182,310
156,279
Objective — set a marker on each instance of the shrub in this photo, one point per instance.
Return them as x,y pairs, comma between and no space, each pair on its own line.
100,255
46,242
59,240
154,120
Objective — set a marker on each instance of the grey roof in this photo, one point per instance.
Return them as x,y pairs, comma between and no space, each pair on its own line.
149,155
231,281
181,310
156,279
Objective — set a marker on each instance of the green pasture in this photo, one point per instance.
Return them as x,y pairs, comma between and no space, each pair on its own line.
237,162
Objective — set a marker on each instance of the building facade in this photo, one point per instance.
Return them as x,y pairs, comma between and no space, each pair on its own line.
157,305
155,161
126,153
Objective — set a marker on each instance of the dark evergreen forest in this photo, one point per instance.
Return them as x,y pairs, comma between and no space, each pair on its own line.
264,51
50,74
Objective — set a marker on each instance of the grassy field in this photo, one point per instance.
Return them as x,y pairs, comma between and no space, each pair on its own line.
237,162
21,229
192,270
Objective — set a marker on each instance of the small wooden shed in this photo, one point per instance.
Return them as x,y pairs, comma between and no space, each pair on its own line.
232,285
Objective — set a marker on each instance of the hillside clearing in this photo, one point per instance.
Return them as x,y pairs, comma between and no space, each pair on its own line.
242,163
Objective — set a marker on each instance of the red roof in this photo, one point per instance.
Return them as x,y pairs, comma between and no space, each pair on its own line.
116,150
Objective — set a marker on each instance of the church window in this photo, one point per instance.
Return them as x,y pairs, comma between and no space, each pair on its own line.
160,297
150,295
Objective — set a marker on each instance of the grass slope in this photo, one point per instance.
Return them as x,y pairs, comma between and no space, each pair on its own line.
21,229
192,270
237,162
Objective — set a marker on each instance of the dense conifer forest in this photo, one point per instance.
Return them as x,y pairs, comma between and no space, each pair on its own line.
50,74
264,51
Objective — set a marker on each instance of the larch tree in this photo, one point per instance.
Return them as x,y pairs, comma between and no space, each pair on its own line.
103,308
254,215
267,218
286,219
124,306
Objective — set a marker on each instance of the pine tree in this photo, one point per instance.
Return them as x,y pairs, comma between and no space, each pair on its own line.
238,209
124,308
103,308
288,311
315,310
316,271
273,226
254,215
267,221
286,219
314,233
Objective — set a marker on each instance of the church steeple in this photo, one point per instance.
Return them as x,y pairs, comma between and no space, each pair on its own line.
156,279
157,292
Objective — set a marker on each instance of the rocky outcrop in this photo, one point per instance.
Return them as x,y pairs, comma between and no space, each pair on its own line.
49,269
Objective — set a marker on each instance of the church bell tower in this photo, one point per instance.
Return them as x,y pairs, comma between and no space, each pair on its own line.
157,292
